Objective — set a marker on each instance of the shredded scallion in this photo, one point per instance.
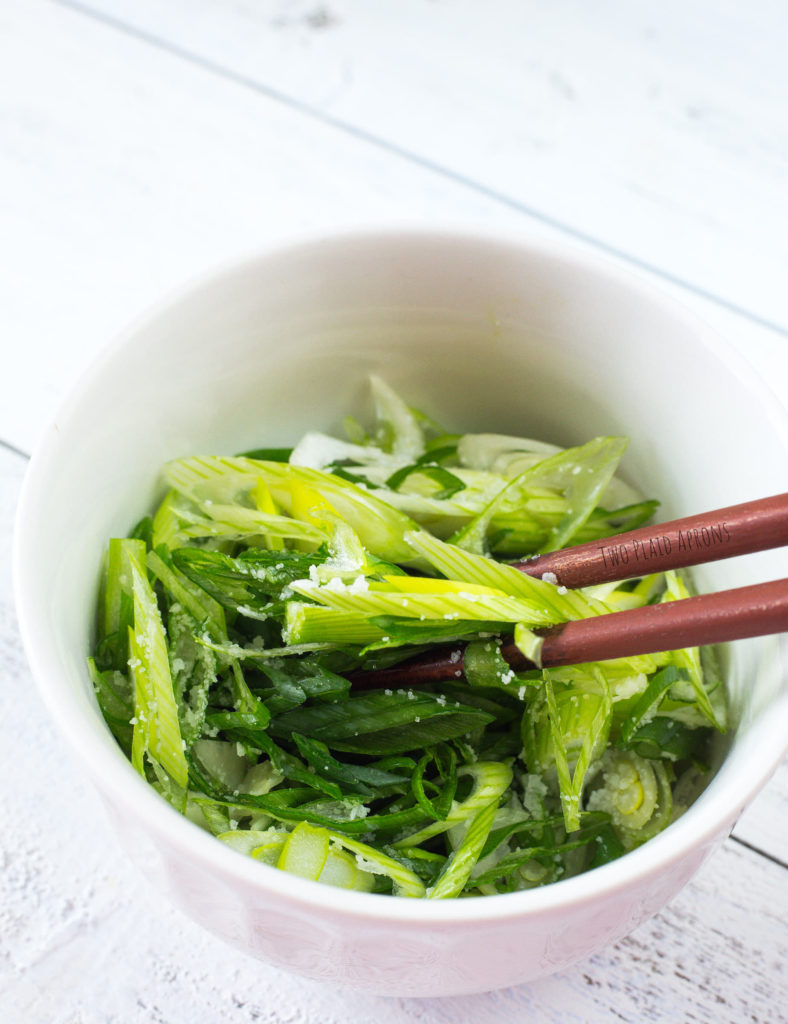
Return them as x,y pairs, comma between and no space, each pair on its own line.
231,621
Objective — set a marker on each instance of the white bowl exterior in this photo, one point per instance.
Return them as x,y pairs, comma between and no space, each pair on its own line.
485,335
392,955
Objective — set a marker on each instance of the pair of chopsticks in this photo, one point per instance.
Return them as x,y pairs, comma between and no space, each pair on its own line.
708,619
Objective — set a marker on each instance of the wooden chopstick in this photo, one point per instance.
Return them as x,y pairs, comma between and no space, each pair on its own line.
708,619
736,530
736,614
758,610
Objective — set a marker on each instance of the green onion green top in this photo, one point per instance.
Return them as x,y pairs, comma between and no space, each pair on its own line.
230,621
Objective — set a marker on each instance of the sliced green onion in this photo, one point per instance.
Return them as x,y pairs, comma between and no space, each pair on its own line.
457,870
156,730
491,780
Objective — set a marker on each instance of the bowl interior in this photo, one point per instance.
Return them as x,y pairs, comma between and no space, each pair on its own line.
481,334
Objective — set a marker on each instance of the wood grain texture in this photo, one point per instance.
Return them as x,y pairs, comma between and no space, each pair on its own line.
764,824
658,129
144,148
127,170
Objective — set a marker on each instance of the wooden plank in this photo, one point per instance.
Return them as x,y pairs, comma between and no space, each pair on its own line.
658,128
124,180
706,958
764,824
83,939
126,172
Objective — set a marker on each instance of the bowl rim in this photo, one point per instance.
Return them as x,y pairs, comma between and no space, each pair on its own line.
702,824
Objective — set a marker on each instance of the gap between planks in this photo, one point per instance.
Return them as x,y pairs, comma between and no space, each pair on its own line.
761,853
14,450
306,110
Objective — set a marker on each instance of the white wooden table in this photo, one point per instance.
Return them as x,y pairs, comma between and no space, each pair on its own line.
144,140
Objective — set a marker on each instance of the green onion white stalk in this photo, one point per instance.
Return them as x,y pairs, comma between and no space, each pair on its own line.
231,620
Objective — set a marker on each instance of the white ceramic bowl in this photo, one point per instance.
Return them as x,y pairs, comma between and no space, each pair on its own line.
486,335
